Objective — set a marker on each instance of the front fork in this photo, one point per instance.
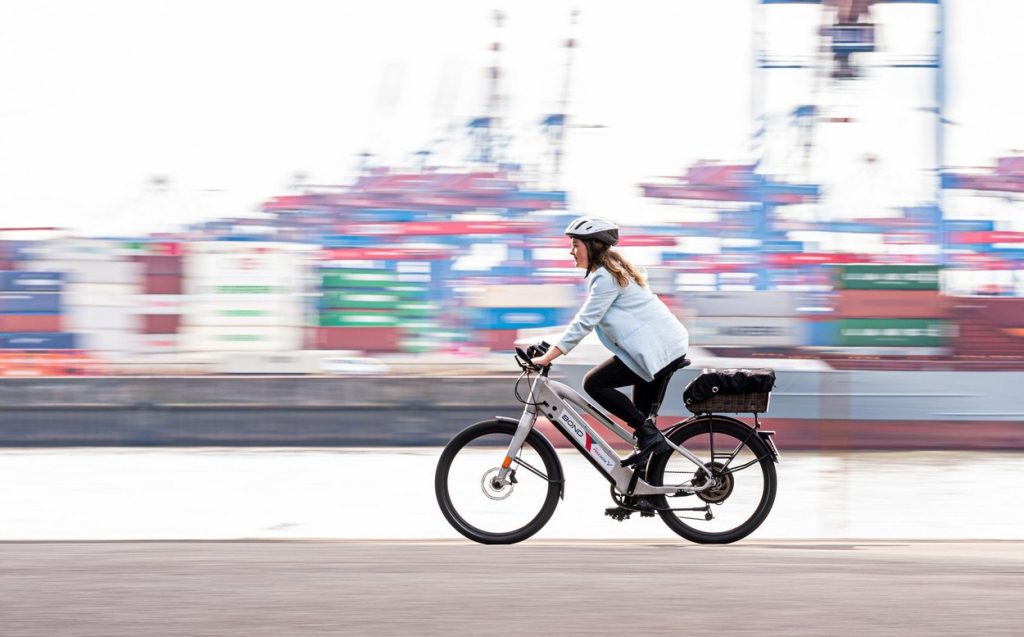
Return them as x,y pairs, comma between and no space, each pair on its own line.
526,422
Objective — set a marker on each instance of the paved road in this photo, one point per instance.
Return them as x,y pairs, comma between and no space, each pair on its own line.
288,588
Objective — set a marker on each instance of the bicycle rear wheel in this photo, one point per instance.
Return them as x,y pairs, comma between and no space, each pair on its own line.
744,481
472,504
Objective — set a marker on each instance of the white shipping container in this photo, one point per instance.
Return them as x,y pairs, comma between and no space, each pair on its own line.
233,288
156,343
107,341
249,247
123,272
759,331
299,299
100,295
227,267
501,296
244,316
78,250
82,318
88,272
241,339
741,303
160,303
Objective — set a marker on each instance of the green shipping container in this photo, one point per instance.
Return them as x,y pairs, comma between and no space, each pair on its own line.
417,310
344,318
888,277
356,299
358,278
249,289
894,332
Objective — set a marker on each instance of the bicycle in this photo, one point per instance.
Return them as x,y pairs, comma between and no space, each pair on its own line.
708,452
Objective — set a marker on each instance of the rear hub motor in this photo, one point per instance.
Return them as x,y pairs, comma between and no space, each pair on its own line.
723,483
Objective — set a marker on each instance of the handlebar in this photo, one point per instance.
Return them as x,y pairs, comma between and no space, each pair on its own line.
524,362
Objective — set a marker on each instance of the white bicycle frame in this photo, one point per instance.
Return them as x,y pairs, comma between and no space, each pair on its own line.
557,402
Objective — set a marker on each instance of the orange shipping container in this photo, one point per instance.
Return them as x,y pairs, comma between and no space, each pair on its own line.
891,304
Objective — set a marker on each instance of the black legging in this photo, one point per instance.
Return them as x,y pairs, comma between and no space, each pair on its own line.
602,381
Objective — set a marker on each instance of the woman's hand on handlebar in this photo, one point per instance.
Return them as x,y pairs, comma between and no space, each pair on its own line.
545,360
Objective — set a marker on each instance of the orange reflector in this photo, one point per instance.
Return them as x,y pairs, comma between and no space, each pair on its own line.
508,461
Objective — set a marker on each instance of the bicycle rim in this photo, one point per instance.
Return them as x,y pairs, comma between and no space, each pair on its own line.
744,478
491,515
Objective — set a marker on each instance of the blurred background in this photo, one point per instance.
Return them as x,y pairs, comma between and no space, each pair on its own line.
319,223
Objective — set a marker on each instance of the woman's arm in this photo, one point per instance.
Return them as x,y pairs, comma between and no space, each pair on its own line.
602,293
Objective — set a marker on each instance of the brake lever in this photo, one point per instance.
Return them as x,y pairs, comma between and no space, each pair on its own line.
524,361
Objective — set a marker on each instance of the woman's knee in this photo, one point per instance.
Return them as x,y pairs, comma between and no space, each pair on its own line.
591,382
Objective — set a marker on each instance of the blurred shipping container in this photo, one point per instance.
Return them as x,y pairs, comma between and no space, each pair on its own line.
746,331
371,339
524,296
887,277
858,303
741,303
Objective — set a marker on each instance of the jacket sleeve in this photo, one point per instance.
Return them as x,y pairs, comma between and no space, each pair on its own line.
601,294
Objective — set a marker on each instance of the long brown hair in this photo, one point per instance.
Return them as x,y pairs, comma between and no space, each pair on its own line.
601,254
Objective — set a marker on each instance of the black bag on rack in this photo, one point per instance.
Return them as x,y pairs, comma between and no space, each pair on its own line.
712,382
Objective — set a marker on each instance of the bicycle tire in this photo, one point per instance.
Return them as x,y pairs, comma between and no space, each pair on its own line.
763,460
552,470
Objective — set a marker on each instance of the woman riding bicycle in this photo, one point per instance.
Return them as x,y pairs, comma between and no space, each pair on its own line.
647,340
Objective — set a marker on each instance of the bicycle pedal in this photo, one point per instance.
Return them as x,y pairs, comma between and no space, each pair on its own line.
618,513
647,514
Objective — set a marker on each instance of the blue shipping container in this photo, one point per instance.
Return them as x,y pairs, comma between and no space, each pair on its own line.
37,340
968,225
515,318
30,302
822,333
32,281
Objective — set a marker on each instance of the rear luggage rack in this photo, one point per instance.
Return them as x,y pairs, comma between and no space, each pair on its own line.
756,402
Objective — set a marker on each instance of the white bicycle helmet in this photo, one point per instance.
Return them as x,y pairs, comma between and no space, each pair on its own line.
593,228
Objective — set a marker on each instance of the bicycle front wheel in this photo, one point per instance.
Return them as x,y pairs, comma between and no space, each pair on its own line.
497,514
741,469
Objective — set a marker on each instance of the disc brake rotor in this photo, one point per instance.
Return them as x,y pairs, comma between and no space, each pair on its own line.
492,489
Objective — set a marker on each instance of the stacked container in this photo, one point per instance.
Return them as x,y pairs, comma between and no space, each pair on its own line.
32,337
498,312
358,307
244,296
748,319
101,285
161,304
887,306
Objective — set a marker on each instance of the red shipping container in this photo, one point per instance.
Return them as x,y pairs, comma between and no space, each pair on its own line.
162,284
497,340
891,304
161,323
31,323
977,338
370,339
990,236
1002,311
160,264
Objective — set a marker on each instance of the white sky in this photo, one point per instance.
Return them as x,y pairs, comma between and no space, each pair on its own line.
230,98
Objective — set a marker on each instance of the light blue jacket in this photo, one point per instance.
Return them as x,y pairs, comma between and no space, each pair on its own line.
631,322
